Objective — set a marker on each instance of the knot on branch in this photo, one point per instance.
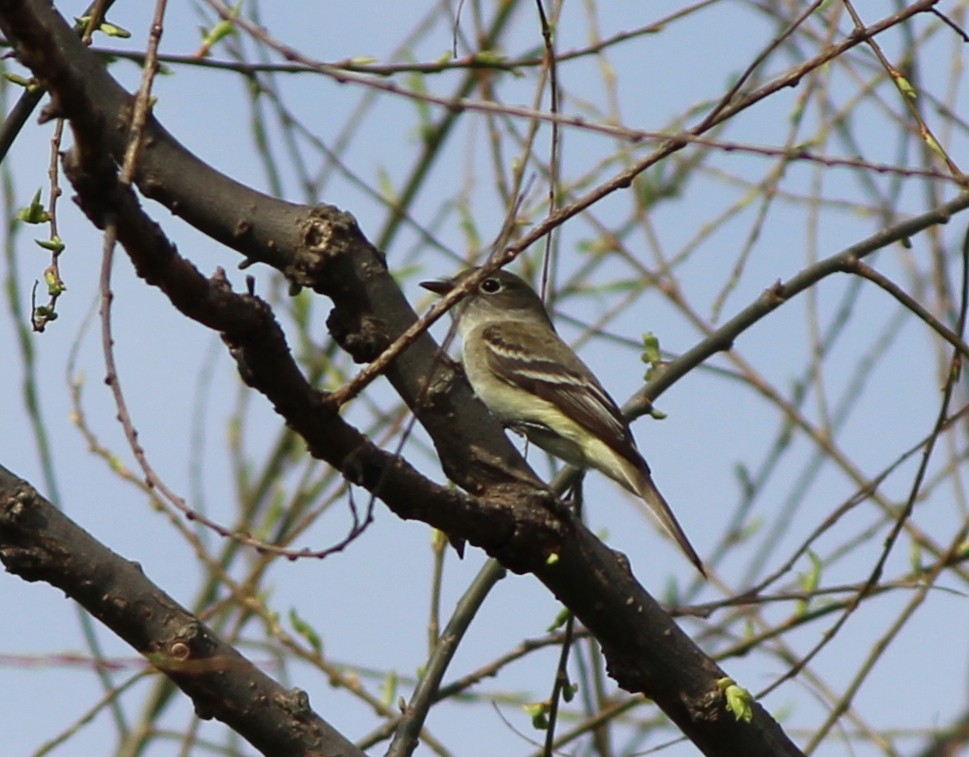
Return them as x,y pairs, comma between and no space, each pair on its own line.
296,702
330,242
540,525
363,335
23,551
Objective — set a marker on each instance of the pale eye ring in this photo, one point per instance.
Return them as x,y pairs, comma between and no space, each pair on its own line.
490,286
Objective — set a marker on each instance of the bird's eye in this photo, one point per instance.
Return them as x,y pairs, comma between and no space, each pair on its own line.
490,286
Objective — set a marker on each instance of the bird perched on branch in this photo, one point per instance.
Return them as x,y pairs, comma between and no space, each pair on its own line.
537,386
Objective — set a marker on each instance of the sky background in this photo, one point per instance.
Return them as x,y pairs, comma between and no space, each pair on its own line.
370,601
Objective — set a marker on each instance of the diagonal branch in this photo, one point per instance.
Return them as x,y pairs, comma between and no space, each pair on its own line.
512,516
39,543
515,520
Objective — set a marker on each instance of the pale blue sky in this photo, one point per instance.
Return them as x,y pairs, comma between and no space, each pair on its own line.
712,426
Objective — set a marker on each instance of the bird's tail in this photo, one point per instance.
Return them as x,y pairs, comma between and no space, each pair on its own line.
658,506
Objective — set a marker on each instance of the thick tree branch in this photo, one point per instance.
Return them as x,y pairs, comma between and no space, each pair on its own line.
513,516
40,543
257,343
312,246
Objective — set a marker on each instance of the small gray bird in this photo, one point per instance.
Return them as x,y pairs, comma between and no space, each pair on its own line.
537,386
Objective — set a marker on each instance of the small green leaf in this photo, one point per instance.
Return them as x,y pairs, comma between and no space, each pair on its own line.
915,558
650,354
933,145
55,285
217,33
809,581
386,186
737,700
106,27
489,58
388,689
35,212
30,85
963,550
560,619
538,712
905,85
306,631
113,30
45,313
54,244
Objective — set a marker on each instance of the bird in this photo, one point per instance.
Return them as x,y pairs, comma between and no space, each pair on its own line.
536,385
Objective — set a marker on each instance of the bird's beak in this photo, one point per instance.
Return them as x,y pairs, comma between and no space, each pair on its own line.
441,286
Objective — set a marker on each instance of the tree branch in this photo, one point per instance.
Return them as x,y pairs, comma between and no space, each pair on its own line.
513,515
39,543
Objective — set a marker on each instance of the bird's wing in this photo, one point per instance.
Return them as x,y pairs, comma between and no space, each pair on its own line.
559,377
539,362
